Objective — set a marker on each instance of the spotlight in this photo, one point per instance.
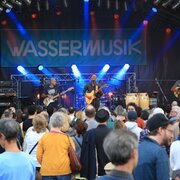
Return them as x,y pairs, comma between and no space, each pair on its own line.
1,9
6,4
166,3
22,70
3,22
92,13
126,66
8,11
40,67
156,2
145,22
65,3
18,3
176,5
106,68
75,70
28,2
154,10
116,16
168,30
34,16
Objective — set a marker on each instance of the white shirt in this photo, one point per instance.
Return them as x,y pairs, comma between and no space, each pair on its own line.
31,138
133,127
175,155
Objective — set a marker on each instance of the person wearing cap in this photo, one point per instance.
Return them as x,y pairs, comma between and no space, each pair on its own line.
92,147
121,147
175,157
131,124
94,87
15,164
153,163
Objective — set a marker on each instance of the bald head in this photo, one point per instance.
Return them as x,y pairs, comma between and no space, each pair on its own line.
90,111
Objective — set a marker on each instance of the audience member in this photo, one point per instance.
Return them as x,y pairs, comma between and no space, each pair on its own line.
175,157
80,128
131,123
153,163
15,164
33,135
121,149
28,122
90,113
52,151
92,143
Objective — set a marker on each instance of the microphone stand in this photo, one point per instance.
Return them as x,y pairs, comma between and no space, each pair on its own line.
158,84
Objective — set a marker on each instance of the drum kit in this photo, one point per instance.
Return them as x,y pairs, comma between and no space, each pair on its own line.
141,99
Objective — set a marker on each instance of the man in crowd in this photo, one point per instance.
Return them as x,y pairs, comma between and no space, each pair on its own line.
92,147
121,148
90,113
15,164
153,163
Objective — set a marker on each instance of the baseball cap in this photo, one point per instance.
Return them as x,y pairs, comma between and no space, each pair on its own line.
156,121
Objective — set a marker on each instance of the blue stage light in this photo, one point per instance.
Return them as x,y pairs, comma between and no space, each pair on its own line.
106,68
154,10
8,11
22,70
40,67
75,71
126,66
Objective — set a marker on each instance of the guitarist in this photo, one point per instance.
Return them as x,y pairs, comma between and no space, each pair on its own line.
52,90
176,90
93,86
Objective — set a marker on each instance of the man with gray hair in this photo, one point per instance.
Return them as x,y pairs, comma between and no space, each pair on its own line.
121,148
90,113
15,164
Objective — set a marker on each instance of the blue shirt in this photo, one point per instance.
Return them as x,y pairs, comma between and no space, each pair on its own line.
16,165
153,161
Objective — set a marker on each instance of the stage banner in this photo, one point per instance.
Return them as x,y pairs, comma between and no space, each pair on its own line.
54,48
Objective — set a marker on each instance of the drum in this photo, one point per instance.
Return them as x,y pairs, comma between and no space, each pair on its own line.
132,97
143,100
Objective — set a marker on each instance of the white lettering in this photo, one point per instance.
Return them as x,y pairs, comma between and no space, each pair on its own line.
16,51
42,46
52,46
63,48
30,49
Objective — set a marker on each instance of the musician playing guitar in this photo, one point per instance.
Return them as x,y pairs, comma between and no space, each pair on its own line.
96,92
176,91
50,91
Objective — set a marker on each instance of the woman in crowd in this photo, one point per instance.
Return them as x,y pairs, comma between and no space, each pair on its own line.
52,151
79,129
33,135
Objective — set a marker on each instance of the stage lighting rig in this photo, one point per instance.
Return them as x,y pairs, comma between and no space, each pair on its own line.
6,4
28,2
16,2
1,8
176,5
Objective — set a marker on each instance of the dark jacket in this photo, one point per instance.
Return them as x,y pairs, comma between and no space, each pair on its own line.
88,156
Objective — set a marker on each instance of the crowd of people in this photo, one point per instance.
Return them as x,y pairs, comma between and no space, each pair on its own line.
126,143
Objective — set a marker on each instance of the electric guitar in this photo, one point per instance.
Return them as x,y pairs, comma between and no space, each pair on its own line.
49,100
92,95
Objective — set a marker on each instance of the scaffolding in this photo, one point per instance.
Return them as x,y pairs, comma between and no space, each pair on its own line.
17,80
